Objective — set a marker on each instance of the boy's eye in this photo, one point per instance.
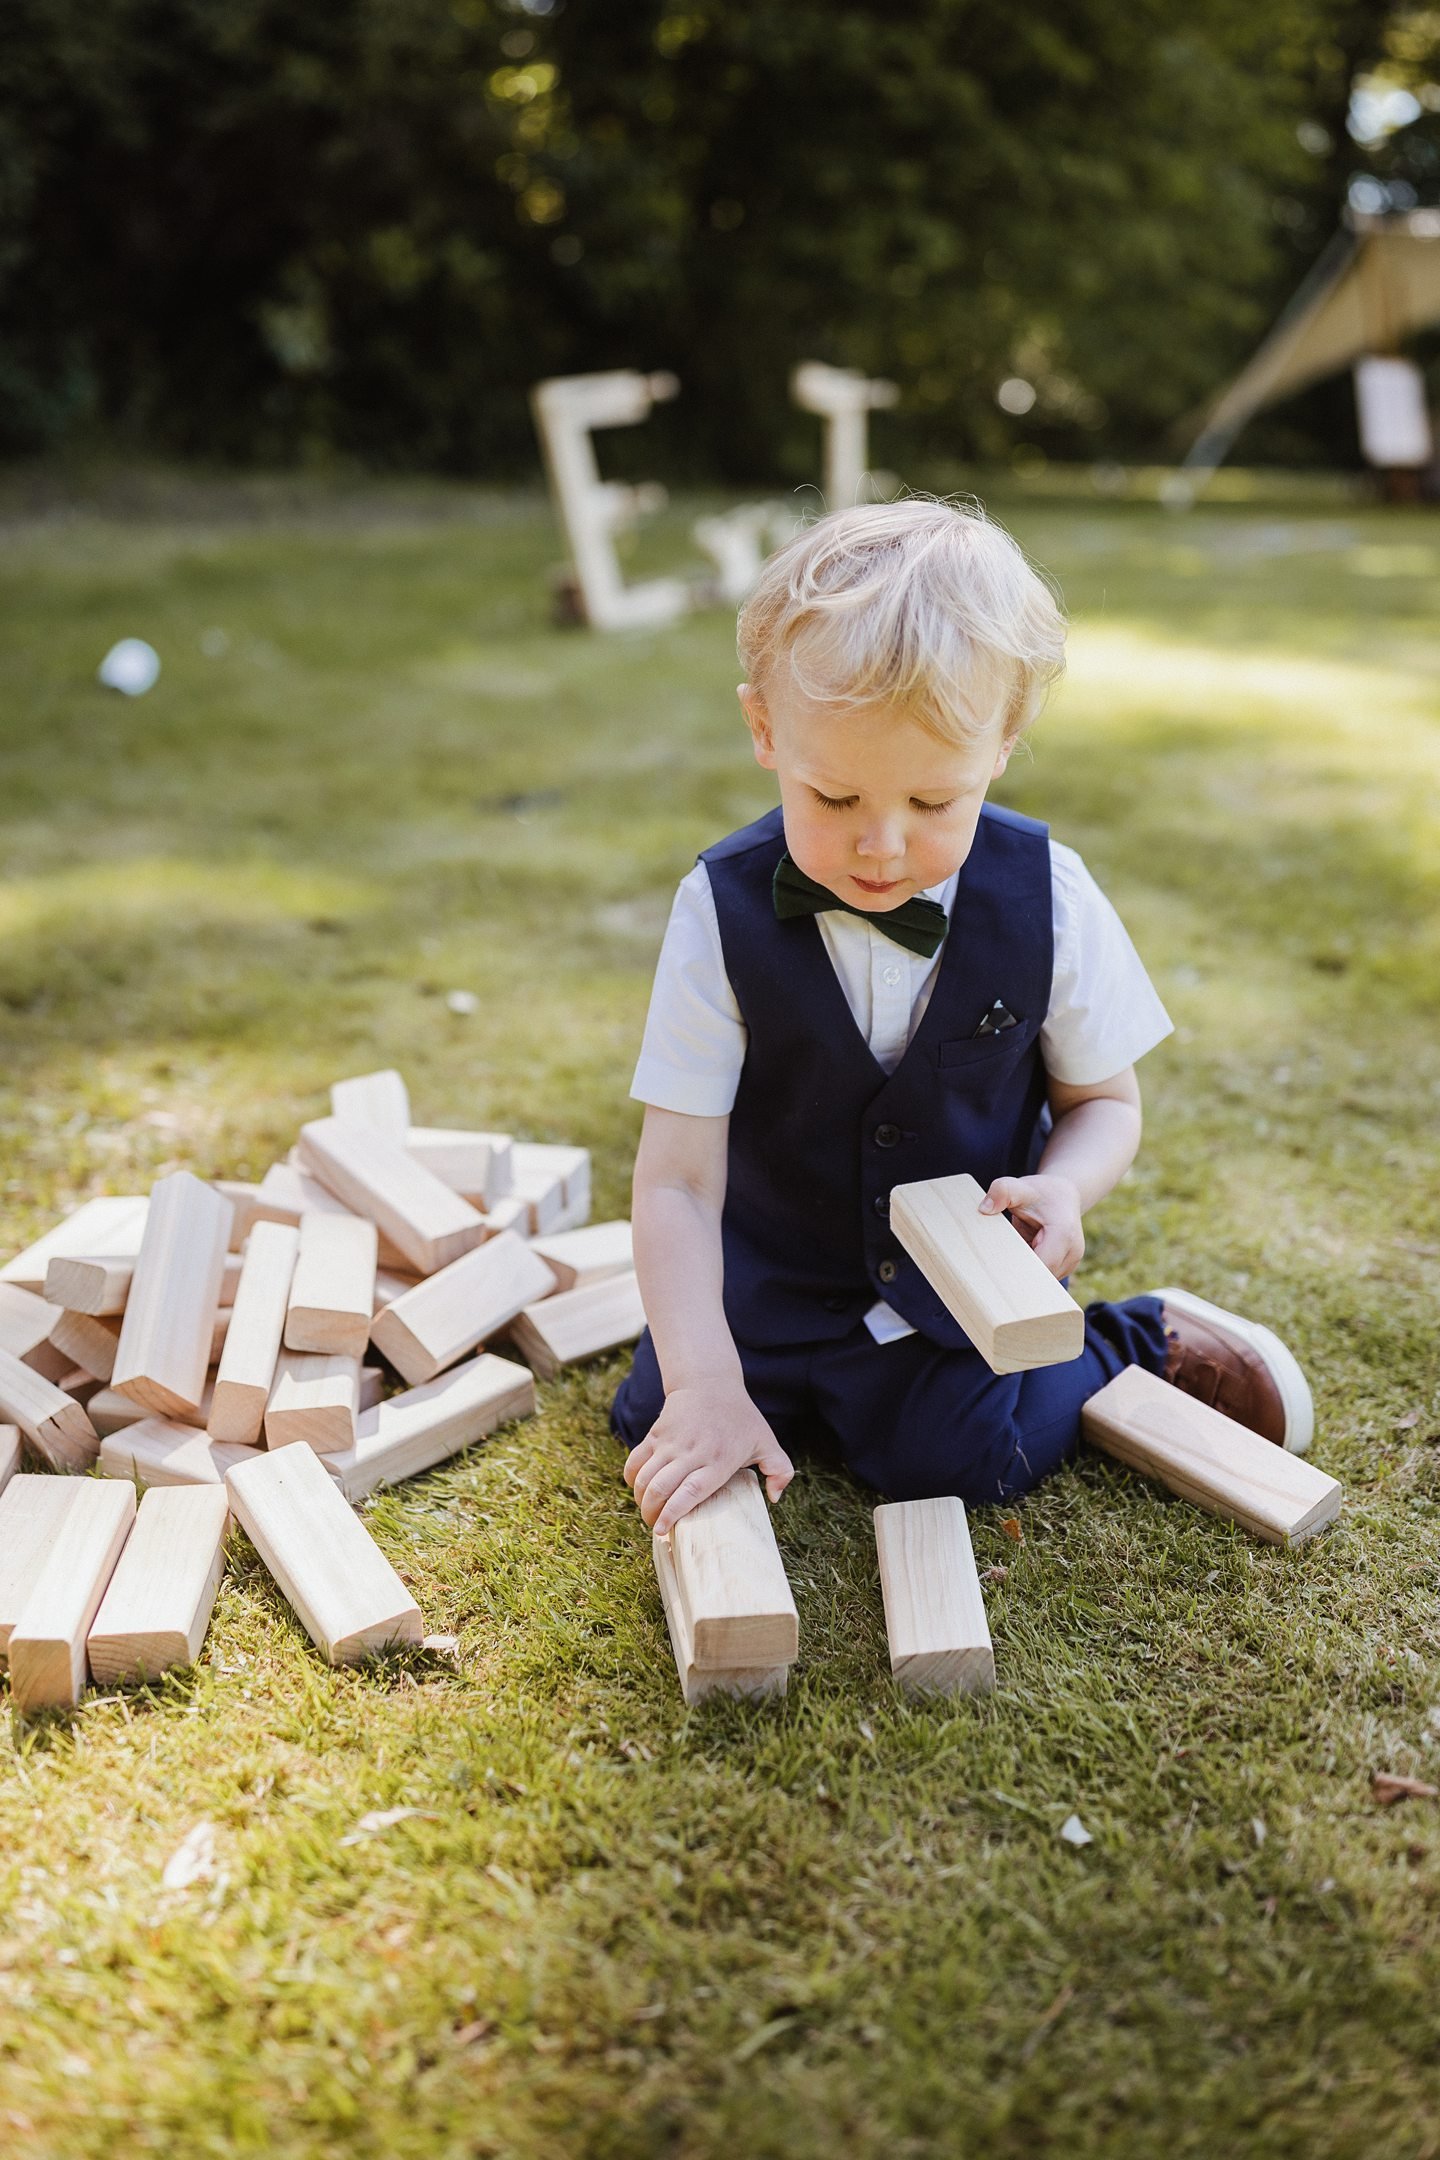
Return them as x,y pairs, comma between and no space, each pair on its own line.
933,808
833,802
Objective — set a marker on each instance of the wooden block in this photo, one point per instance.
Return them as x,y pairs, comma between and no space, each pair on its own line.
377,1099
372,1386
1012,1308
556,1183
109,1411
27,1326
87,1342
582,1257
32,1509
314,1402
389,1286
1205,1457
459,1159
285,1193
47,1643
412,1432
252,1346
501,1182
86,1283
511,1213
80,1386
54,1423
113,1224
161,1451
165,1337
82,1283
934,1613
375,1177
333,1291
696,1683
536,1163
288,1192
345,1591
477,1165
9,1454
157,1607
441,1320
731,1581
244,1198
578,1324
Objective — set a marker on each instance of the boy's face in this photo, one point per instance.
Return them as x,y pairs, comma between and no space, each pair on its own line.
875,808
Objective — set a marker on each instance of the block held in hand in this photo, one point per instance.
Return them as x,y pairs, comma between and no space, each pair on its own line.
1009,1304
731,1581
698,1682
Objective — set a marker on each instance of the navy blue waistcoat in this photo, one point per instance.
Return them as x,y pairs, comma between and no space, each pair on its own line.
819,1133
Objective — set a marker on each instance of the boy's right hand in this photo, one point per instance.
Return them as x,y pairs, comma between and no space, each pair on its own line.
700,1439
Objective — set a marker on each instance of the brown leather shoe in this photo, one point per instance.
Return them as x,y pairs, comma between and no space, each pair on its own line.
1238,1368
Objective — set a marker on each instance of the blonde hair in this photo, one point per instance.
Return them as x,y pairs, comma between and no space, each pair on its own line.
920,603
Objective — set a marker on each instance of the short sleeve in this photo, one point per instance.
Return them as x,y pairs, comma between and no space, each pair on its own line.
695,1039
1104,1012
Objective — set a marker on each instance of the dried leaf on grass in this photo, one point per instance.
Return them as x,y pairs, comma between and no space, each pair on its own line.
193,1859
379,1819
472,2034
1387,1789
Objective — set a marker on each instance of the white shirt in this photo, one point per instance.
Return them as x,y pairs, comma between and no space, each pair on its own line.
1103,1012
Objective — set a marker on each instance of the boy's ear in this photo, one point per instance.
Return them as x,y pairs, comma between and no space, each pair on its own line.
757,719
1002,759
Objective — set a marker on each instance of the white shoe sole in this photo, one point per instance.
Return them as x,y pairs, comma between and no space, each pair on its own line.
1279,1362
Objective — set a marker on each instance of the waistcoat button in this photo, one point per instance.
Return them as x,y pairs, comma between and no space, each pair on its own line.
887,1271
887,1135
882,1204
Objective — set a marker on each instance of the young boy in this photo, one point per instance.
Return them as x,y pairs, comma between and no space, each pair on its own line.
883,980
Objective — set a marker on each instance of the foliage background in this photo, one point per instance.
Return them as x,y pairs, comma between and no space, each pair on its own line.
303,230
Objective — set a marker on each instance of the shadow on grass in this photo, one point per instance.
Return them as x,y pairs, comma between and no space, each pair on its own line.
55,1731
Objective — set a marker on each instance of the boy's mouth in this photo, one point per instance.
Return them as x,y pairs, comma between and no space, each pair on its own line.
878,886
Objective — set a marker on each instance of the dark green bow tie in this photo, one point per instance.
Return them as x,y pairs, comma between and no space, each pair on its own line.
919,925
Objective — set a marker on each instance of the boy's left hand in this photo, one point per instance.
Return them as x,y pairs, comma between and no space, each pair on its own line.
1045,1209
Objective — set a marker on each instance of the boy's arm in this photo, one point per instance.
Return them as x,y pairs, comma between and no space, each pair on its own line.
1094,1141
709,1428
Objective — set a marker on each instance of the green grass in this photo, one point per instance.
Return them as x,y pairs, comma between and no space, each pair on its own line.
843,1925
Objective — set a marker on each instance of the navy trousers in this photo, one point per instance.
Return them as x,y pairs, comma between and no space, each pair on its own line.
914,1420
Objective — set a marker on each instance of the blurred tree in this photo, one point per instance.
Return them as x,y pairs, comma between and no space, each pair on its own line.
363,227
1395,116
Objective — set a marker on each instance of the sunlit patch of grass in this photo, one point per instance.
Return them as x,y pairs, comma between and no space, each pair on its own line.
845,1923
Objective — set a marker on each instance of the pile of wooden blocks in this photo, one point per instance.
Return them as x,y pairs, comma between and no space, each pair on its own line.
207,1344
722,1582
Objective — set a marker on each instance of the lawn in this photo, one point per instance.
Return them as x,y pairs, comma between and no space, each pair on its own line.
844,1925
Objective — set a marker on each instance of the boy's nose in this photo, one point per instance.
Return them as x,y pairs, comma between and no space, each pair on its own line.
885,844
